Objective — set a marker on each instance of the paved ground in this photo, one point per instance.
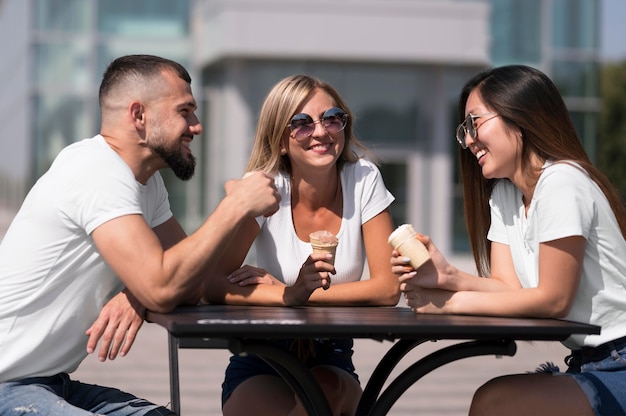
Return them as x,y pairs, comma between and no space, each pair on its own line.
445,392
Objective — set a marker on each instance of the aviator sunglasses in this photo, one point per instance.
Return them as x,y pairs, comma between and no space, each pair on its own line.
302,125
468,126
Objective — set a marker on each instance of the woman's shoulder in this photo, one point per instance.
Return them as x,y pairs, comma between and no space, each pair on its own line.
504,187
505,195
563,166
563,173
281,179
362,167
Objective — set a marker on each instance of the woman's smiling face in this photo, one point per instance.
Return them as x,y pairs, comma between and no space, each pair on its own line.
321,148
496,146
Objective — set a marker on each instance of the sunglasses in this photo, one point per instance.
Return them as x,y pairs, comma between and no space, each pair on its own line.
302,125
468,126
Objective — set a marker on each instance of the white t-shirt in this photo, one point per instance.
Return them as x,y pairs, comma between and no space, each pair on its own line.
567,202
281,252
53,281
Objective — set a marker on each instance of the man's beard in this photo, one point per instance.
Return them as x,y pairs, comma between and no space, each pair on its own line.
183,167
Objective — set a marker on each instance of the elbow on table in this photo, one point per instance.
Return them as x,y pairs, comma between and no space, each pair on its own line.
160,307
556,310
161,301
215,291
213,298
389,299
559,313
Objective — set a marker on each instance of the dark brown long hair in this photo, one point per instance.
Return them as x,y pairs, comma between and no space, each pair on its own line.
527,100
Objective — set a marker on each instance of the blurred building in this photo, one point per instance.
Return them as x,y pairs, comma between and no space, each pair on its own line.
400,65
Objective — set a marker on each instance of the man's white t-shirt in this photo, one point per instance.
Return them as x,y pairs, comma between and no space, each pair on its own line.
567,202
53,281
282,253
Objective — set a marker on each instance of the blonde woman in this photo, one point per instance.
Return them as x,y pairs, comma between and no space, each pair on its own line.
305,140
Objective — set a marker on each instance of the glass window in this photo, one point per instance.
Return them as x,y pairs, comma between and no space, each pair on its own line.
63,15
384,102
147,18
516,31
460,238
586,124
573,24
178,51
455,80
63,64
395,177
262,77
576,79
59,121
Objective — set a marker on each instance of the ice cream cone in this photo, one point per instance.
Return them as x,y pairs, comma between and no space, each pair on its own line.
324,242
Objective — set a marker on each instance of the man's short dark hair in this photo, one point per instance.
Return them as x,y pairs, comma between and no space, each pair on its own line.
143,66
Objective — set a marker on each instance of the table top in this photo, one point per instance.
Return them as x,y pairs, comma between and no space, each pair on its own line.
391,323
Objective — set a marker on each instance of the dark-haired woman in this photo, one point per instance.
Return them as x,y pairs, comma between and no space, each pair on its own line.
547,229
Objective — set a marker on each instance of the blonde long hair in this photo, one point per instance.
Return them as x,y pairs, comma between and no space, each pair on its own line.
279,106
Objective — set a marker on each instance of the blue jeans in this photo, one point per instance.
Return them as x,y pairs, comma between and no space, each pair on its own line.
59,396
601,374
334,352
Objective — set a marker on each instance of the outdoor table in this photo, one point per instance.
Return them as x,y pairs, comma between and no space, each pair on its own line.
248,329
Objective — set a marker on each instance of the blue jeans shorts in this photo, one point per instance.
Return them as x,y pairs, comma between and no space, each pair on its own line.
601,374
313,353
59,396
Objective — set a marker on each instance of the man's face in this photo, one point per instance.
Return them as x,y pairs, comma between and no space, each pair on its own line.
173,127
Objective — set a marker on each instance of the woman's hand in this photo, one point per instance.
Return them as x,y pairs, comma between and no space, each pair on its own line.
427,300
434,274
423,289
314,273
249,275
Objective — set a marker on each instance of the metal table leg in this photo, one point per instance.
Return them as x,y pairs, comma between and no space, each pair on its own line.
381,373
174,379
433,361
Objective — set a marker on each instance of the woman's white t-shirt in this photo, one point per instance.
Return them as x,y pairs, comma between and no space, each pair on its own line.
567,202
282,253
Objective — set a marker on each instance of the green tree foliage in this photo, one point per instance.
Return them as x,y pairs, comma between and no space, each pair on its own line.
612,125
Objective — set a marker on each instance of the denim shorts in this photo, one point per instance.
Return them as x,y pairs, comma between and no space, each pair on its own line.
59,396
313,353
601,373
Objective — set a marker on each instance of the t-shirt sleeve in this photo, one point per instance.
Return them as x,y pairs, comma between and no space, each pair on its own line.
497,231
157,205
283,185
103,199
101,187
375,197
563,204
